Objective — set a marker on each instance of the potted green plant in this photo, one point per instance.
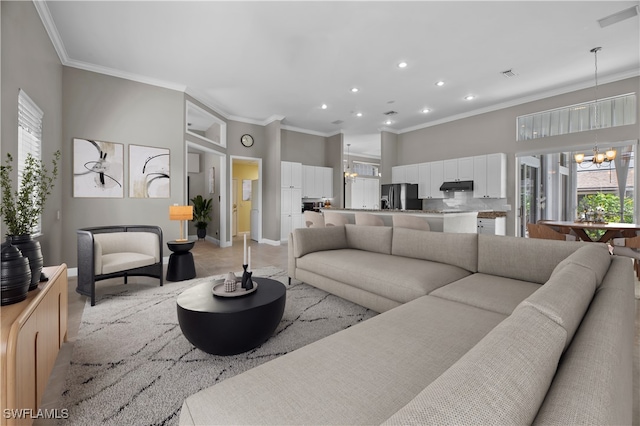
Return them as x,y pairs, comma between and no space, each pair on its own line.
202,214
21,208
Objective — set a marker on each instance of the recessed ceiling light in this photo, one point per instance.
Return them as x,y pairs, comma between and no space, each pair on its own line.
358,114
425,110
354,89
324,106
469,97
440,83
402,64
388,122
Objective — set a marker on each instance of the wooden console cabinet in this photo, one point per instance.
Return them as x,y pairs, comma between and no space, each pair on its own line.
32,333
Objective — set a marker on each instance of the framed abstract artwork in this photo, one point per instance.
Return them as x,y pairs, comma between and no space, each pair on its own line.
149,172
98,170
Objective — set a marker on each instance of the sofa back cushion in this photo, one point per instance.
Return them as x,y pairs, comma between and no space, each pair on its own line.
525,259
309,240
129,242
376,239
502,380
594,257
454,249
565,298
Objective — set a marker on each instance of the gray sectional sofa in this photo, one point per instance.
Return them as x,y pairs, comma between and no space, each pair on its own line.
474,329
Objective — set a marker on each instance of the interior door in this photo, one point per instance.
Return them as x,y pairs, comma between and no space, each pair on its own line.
529,200
234,218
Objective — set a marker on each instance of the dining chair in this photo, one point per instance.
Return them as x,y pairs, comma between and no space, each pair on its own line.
628,247
539,230
335,219
410,222
313,219
368,219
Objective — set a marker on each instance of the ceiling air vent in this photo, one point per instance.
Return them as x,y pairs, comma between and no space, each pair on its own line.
508,73
390,113
337,122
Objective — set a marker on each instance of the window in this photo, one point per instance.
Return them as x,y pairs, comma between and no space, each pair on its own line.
612,112
29,137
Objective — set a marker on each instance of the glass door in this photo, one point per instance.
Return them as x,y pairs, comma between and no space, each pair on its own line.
529,209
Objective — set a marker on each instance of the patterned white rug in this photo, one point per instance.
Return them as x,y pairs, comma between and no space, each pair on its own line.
131,365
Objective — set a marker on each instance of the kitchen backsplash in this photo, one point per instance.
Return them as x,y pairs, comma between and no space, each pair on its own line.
465,201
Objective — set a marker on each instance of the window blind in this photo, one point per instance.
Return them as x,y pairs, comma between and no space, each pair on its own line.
29,137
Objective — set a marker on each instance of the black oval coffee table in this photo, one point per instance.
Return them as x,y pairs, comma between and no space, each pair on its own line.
231,325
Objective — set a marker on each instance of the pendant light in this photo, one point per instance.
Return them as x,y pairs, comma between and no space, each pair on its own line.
349,176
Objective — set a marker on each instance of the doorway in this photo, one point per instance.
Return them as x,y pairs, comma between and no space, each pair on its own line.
208,180
529,200
246,187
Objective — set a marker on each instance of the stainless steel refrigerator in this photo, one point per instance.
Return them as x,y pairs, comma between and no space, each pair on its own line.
400,196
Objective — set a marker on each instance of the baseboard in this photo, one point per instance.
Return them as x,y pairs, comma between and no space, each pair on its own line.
271,242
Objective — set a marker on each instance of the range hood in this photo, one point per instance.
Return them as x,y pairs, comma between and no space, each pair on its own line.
462,185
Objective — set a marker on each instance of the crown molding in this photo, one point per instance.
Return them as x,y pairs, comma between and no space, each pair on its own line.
52,30
310,132
538,96
206,100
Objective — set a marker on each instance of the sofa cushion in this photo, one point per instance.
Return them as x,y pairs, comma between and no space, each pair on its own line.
502,380
395,277
116,262
497,294
360,375
565,297
375,239
309,240
526,259
594,257
455,249
594,384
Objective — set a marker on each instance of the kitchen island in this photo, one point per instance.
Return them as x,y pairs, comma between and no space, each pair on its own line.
439,220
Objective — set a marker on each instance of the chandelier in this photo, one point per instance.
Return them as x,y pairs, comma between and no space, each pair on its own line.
349,176
599,158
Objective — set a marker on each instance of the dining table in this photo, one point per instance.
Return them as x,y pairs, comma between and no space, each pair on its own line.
611,229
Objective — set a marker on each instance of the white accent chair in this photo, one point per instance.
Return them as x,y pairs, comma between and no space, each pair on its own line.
408,221
313,219
368,219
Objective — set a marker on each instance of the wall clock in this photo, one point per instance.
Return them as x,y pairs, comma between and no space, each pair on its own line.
246,140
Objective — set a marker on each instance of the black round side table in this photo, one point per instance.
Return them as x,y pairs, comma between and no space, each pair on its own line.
181,266
231,325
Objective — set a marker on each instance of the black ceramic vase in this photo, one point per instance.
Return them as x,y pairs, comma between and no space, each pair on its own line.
15,275
30,249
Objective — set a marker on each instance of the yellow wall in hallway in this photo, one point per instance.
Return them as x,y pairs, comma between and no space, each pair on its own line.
242,171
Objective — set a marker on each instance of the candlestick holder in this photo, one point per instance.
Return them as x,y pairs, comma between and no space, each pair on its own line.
248,285
245,276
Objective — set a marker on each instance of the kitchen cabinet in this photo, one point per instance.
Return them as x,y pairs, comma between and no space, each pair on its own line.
290,175
32,333
405,174
490,176
430,177
458,169
290,198
497,226
365,193
317,182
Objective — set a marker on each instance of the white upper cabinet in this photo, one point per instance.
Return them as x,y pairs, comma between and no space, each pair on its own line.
490,176
291,175
430,177
317,182
458,169
405,174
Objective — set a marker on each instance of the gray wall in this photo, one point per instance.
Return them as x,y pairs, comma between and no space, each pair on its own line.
110,109
389,155
496,132
304,148
334,158
271,185
30,62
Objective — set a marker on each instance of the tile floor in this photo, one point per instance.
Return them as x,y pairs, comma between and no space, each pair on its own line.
213,260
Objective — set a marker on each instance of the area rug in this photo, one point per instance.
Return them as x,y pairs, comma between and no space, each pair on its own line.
131,365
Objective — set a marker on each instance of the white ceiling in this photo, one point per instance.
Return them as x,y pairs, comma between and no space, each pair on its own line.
252,61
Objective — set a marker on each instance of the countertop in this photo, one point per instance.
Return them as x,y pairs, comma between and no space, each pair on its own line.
481,214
